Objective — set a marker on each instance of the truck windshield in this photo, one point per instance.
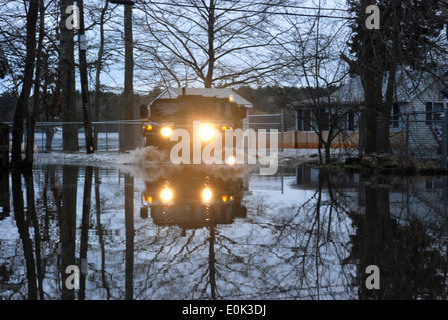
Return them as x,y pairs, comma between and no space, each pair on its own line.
174,111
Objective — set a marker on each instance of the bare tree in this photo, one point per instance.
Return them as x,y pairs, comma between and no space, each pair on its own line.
31,117
68,98
215,42
22,104
311,46
51,73
13,20
82,42
99,68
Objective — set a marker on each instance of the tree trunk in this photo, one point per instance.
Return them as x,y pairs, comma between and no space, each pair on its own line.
31,121
384,126
22,103
372,83
99,67
84,81
371,74
68,93
211,45
128,141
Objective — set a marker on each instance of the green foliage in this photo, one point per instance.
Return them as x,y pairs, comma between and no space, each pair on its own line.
419,22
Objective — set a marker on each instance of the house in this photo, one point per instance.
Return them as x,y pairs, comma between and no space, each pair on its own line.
417,110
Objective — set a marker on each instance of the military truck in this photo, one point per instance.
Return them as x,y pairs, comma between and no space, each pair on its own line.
175,108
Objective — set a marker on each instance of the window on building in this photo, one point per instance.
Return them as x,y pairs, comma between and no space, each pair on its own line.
346,120
307,120
351,120
428,113
437,111
324,120
299,119
395,117
433,113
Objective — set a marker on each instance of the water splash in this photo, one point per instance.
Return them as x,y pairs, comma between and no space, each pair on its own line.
147,155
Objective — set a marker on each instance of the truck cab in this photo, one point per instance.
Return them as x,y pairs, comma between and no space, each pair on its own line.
219,109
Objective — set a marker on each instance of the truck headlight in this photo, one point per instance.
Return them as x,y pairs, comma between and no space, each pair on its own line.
166,132
166,194
206,194
206,133
231,160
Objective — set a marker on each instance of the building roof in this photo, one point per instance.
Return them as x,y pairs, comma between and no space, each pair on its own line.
173,93
409,85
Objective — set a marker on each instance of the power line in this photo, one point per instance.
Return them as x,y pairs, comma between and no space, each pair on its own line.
296,6
185,5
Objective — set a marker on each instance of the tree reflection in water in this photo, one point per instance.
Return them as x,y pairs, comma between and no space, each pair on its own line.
410,256
23,228
243,240
67,225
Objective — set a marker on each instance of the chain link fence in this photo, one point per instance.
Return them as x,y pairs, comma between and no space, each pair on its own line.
264,122
421,135
119,135
108,136
268,122
414,135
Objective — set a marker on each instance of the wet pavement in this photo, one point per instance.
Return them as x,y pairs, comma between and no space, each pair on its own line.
201,232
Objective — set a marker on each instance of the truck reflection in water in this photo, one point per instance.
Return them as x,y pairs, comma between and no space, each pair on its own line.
193,198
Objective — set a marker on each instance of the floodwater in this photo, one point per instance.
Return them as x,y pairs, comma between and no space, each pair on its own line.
193,232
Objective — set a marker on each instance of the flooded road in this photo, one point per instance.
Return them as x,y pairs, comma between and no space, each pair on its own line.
193,232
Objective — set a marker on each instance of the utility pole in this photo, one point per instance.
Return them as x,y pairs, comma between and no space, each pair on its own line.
128,76
282,128
82,42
